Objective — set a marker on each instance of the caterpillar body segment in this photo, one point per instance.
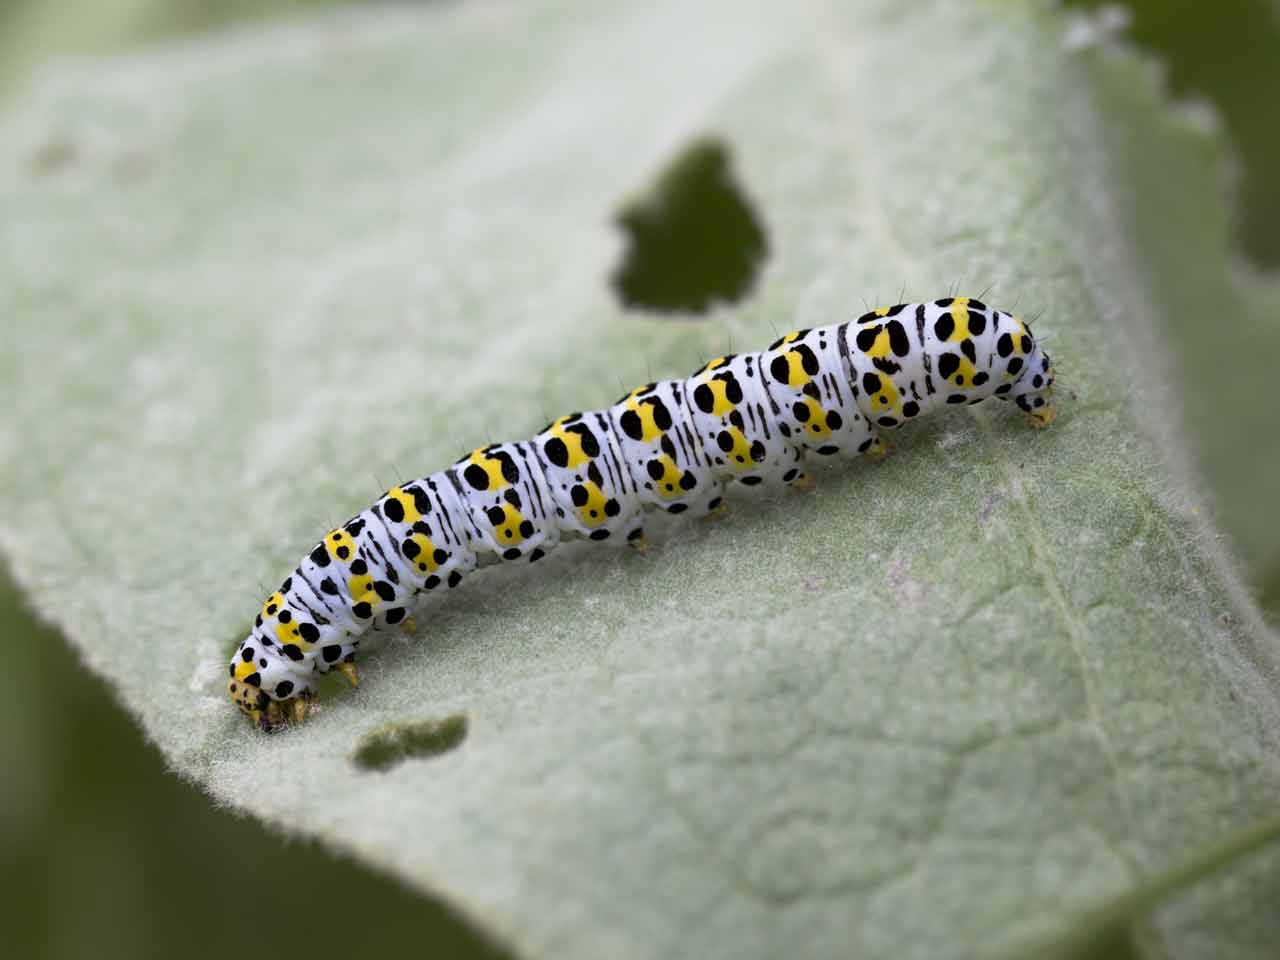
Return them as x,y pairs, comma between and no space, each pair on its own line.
815,407
732,414
508,508
675,445
593,492
668,463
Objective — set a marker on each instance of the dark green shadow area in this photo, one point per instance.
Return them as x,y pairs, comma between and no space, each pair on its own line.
391,746
1227,52
693,239
105,854
1270,598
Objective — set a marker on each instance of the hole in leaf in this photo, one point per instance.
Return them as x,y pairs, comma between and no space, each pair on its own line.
693,238
390,746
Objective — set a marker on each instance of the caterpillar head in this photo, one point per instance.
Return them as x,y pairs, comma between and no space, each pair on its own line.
260,680
1033,392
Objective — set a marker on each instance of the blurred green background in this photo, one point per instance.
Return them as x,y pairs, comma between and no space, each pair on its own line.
103,853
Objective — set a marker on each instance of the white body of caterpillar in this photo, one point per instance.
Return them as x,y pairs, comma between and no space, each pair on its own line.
674,445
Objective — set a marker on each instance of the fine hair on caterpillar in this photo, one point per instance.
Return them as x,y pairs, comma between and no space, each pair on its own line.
672,445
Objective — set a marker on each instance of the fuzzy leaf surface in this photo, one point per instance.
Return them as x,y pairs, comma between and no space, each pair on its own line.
948,704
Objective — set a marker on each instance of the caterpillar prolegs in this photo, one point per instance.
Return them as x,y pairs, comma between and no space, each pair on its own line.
672,445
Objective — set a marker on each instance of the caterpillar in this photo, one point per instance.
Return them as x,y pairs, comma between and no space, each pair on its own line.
673,445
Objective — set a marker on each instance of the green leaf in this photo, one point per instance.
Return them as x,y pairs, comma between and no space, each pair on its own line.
957,703
1215,313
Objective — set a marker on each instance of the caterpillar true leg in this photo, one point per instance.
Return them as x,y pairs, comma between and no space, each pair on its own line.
671,446
638,541
878,449
803,482
348,670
